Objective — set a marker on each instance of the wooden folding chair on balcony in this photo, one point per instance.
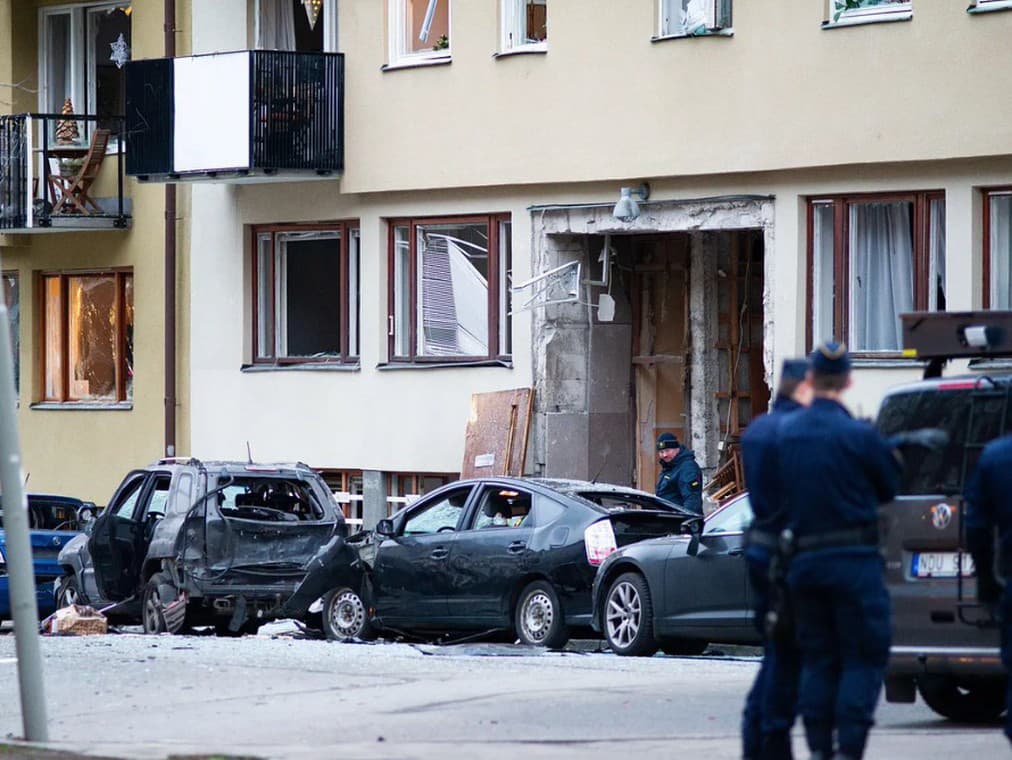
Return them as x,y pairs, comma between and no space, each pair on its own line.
75,194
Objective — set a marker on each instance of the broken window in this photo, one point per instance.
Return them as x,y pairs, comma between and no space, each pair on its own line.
419,30
524,24
87,329
441,515
449,289
998,249
270,500
307,294
871,259
861,11
404,488
83,50
680,18
11,296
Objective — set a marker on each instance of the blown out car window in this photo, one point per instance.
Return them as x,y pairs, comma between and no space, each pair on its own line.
443,514
270,500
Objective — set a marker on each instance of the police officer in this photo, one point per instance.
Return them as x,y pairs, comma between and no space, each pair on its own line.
989,505
835,472
770,705
680,480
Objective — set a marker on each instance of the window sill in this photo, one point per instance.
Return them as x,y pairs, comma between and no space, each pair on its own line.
989,7
728,32
83,406
883,18
306,367
541,49
402,365
884,360
419,64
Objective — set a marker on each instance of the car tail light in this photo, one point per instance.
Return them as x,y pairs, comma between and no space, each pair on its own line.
599,541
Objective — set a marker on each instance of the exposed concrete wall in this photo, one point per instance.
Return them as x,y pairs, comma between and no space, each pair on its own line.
703,416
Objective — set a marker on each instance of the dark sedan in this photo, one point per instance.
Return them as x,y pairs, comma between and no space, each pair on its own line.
487,554
680,592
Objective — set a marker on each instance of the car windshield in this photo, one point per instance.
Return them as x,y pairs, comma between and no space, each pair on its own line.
733,518
971,416
46,515
623,502
270,499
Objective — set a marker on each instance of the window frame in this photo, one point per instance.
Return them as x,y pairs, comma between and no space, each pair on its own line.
512,14
981,6
346,229
987,194
841,204
720,20
121,275
328,17
397,55
899,11
498,277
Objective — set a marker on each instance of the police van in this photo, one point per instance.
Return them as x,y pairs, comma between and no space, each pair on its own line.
945,645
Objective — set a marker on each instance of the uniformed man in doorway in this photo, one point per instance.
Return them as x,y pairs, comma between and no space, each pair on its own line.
989,505
680,480
770,705
835,472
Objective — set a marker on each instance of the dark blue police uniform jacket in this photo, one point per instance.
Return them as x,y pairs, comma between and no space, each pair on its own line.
681,481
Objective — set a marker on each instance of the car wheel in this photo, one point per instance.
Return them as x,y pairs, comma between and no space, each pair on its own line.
151,606
969,702
345,616
69,592
539,617
629,617
682,647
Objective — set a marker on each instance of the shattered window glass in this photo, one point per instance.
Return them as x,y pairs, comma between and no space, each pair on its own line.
439,516
270,500
11,297
88,335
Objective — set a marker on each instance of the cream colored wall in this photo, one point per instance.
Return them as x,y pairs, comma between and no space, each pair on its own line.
781,93
79,452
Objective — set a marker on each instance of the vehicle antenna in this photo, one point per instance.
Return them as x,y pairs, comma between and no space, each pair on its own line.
249,453
604,462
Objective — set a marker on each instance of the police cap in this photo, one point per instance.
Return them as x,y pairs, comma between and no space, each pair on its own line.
830,358
794,369
666,441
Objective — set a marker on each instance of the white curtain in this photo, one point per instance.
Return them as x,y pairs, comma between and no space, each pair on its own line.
275,25
936,255
1001,251
881,274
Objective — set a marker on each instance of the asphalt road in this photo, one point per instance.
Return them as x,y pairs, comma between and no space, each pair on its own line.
274,696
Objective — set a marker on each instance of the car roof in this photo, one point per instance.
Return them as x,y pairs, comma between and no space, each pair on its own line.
265,469
966,381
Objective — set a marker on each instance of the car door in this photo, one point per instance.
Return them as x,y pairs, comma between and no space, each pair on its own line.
119,541
708,591
411,575
489,555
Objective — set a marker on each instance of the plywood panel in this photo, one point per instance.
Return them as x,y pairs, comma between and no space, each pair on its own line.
497,431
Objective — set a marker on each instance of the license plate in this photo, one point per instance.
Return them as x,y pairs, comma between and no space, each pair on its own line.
940,565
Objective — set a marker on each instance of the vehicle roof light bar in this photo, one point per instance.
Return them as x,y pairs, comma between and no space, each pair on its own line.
959,334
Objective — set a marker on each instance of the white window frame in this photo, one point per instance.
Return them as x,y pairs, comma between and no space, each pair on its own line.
514,25
398,54
669,19
989,5
840,16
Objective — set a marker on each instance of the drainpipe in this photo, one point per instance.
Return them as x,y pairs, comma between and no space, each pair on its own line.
170,268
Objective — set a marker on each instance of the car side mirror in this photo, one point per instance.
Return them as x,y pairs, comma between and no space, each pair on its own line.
693,526
385,528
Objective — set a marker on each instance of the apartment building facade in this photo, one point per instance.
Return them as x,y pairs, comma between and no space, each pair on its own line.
390,205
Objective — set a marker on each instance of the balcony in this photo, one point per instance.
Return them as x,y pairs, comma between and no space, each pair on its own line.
61,173
247,116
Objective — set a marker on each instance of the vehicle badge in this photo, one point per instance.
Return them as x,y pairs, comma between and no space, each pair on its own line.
941,515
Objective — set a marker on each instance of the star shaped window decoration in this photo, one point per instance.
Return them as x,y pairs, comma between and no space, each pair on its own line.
120,51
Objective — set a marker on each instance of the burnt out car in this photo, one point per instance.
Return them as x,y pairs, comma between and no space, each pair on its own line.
680,592
945,646
191,543
495,554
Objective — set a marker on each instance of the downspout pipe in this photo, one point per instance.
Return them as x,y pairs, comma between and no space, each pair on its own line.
170,267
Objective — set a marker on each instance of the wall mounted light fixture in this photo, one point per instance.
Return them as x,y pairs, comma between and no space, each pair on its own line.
627,209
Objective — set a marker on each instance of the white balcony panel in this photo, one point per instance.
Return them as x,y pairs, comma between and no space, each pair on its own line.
212,99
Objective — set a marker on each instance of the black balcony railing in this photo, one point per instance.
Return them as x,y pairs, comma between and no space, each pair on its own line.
292,122
61,171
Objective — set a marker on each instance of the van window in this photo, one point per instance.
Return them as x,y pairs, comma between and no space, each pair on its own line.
942,471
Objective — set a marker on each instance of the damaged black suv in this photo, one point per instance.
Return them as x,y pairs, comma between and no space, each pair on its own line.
188,543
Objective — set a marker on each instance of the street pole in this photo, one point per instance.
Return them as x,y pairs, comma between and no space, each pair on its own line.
18,549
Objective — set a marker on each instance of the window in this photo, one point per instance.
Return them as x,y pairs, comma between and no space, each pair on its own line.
524,24
990,5
82,52
127,502
87,335
11,296
439,516
681,18
872,258
864,11
734,518
448,294
503,508
306,283
997,249
419,30
291,25
404,488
